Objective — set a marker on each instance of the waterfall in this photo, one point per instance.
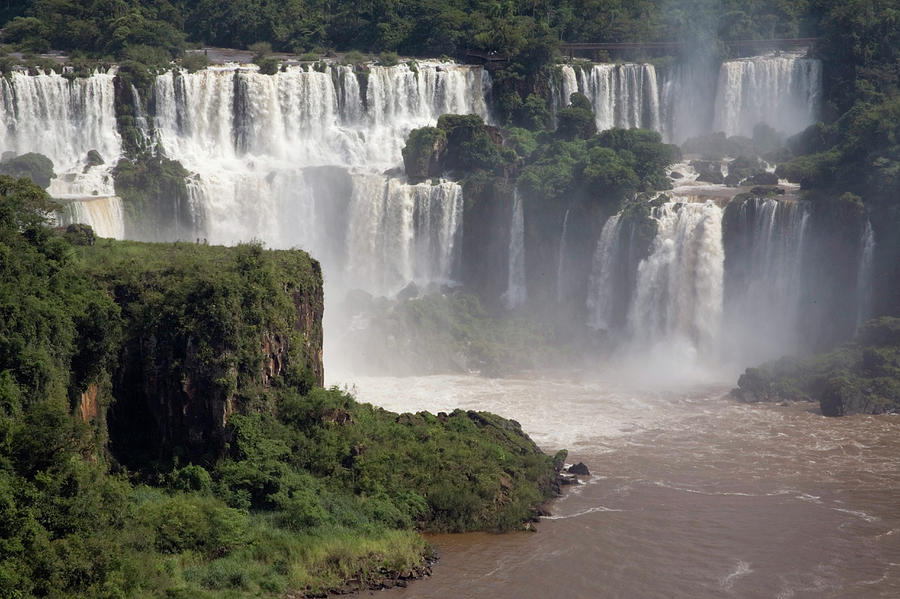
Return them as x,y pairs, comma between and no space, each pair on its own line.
864,274
399,232
561,265
766,243
687,92
297,159
678,296
63,119
303,117
601,287
622,95
104,214
687,100
782,91
560,90
516,293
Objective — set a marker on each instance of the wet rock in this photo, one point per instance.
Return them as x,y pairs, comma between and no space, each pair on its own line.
94,158
580,469
764,178
708,171
409,292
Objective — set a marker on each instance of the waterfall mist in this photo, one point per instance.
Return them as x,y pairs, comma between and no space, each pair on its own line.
310,158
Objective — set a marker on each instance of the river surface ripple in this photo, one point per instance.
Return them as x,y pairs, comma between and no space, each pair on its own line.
693,495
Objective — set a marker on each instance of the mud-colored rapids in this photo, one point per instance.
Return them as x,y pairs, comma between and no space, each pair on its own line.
692,495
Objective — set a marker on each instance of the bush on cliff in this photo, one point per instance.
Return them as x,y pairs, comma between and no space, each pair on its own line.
313,492
460,143
859,377
36,167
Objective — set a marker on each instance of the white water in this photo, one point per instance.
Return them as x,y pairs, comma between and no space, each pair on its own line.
63,120
561,264
601,287
782,91
864,274
302,117
252,138
766,300
678,297
104,214
399,233
516,292
563,88
623,95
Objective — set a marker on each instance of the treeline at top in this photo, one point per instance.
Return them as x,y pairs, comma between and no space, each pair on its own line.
409,27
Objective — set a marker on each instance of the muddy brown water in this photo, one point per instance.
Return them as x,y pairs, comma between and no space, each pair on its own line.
692,495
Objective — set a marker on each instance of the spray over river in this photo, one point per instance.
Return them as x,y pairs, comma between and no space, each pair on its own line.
692,494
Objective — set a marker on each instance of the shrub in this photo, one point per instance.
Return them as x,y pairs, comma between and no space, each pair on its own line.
193,523
153,57
80,234
268,66
260,50
388,59
194,61
36,167
354,57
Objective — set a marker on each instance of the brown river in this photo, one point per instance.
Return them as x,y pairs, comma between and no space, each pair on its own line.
693,495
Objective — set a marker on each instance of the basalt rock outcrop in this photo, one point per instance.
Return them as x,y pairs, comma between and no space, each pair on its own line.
208,332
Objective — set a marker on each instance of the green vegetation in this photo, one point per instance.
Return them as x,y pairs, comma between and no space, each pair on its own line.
34,166
605,168
154,192
527,32
572,162
423,153
115,356
859,377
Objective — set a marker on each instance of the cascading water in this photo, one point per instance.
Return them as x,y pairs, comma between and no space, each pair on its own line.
864,274
63,119
104,214
781,91
766,243
678,295
622,95
516,293
688,100
399,233
687,92
561,265
601,287
259,143
562,87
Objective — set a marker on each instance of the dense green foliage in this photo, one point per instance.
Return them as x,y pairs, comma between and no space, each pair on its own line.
311,491
857,148
154,192
36,167
605,168
863,376
418,27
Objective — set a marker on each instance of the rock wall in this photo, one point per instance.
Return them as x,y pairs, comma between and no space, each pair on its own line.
209,332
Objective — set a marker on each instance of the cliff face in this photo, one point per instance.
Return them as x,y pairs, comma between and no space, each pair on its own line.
209,332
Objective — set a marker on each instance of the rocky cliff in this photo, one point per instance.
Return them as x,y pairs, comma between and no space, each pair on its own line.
208,332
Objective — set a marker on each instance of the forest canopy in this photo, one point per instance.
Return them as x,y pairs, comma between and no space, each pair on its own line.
413,27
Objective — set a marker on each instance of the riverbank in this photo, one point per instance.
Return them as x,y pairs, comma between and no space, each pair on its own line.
695,495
